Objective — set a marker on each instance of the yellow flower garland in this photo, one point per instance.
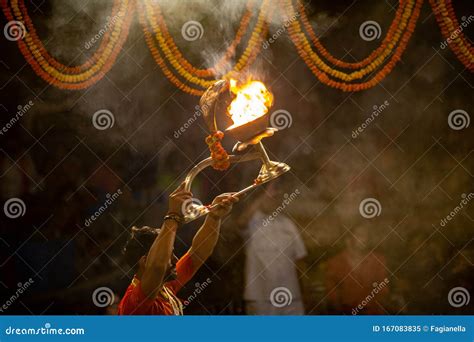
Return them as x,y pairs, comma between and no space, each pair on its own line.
252,48
52,70
305,45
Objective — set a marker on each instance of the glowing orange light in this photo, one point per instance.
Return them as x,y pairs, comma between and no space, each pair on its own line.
252,101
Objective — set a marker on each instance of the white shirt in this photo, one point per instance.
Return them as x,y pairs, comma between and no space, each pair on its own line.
272,248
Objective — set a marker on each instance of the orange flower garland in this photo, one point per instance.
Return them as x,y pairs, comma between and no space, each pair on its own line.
387,43
321,71
451,30
303,44
195,80
58,74
210,72
155,52
254,44
218,152
56,64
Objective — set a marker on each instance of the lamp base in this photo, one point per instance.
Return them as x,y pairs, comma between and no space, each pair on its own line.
271,171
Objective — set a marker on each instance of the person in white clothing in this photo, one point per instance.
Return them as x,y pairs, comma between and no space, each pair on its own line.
274,259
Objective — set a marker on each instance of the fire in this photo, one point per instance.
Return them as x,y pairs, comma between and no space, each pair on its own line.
251,102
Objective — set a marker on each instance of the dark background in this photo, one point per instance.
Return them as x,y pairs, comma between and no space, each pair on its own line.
409,159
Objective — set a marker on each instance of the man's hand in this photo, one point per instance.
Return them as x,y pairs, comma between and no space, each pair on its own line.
225,202
177,198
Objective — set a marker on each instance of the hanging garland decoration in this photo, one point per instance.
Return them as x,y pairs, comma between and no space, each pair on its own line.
387,44
173,56
155,52
452,32
323,71
369,71
225,60
303,45
58,74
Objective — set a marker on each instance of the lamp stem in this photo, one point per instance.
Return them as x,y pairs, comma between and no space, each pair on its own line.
263,155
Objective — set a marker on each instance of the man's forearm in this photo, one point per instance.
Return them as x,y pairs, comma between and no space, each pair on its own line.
160,252
158,258
206,239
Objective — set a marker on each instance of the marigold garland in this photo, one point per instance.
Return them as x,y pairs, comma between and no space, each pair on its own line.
387,43
54,72
225,60
170,59
303,45
452,32
219,155
321,71
250,52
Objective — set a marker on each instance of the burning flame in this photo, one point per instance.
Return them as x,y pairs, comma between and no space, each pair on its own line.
251,102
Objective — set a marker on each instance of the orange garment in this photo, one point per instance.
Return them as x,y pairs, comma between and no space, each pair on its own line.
135,302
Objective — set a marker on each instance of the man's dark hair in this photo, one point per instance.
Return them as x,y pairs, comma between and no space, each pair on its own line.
138,244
